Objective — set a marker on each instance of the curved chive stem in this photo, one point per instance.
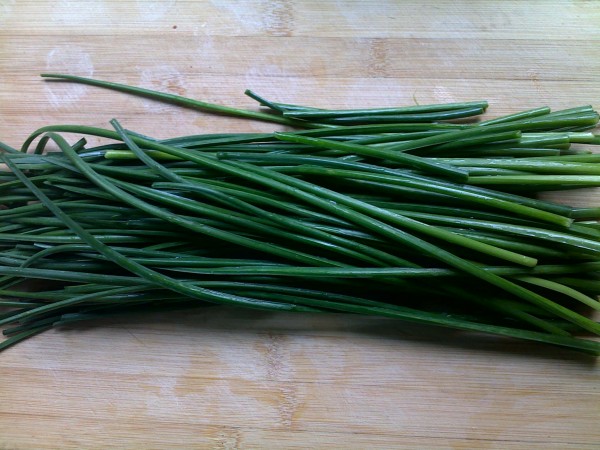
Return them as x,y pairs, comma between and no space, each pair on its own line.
179,100
548,284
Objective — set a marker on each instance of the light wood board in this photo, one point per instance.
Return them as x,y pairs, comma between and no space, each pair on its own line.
222,378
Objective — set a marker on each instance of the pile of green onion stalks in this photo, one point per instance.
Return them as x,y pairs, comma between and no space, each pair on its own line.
422,213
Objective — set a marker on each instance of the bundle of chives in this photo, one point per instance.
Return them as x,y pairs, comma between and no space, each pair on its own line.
357,212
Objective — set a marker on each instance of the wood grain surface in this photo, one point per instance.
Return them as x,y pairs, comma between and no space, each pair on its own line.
228,379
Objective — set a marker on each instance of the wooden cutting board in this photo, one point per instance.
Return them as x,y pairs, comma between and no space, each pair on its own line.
222,378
